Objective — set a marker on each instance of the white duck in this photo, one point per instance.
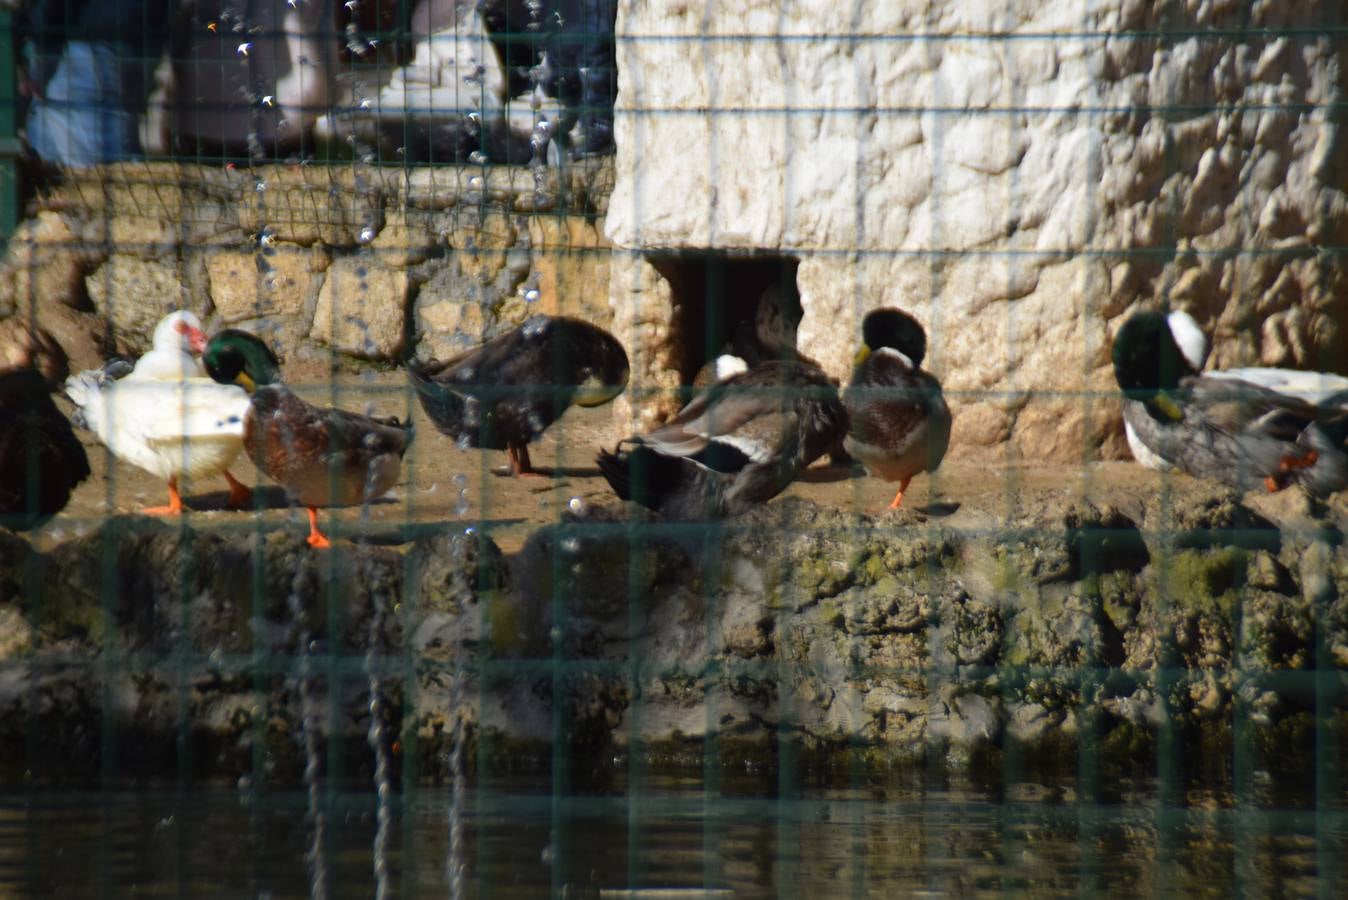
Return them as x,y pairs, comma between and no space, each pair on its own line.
167,416
1313,387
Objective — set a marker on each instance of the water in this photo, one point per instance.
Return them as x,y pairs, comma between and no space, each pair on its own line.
664,831
314,854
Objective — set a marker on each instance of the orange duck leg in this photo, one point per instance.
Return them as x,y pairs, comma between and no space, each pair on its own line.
316,537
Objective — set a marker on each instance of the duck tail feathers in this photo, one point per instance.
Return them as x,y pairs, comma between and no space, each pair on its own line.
440,403
83,389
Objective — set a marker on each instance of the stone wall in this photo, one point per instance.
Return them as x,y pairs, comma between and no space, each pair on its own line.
1020,175
335,266
1076,634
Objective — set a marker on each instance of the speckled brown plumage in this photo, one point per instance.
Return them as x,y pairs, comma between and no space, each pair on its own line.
323,457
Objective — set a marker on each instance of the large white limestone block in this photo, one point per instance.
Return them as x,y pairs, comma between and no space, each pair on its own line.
1020,174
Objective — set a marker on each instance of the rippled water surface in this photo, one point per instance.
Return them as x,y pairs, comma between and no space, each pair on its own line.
662,836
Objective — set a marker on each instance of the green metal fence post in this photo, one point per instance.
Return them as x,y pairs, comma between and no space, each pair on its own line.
9,129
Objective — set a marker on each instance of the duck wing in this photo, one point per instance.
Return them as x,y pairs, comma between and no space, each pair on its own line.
732,425
192,426
370,434
1237,407
486,397
1228,430
739,443
744,419
1311,387
890,402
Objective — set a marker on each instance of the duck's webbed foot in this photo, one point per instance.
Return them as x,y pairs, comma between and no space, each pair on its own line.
175,504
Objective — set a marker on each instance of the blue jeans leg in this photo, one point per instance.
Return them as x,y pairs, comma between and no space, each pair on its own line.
80,119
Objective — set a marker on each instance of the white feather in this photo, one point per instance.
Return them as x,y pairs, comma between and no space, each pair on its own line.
728,365
1189,337
171,357
1312,387
190,427
898,354
752,449
1141,453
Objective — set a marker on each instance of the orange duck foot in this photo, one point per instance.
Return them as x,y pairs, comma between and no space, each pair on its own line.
520,464
1292,463
175,504
316,538
898,498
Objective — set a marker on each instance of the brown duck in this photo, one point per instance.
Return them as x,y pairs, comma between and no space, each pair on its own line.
322,457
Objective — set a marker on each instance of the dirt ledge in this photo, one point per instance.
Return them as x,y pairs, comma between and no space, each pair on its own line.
1191,620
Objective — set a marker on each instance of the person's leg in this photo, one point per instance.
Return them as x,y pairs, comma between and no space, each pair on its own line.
81,120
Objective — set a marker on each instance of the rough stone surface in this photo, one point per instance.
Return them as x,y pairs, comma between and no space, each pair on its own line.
276,280
479,291
457,254
330,204
645,322
362,308
1018,195
887,639
133,294
407,238
46,262
78,337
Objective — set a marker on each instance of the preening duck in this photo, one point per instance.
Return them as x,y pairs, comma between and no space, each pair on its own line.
166,417
899,421
739,443
504,394
1318,388
1222,428
41,460
322,457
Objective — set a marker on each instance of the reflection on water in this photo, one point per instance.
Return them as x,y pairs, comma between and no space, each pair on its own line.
741,839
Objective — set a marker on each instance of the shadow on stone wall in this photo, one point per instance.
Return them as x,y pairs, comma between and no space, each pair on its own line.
1070,636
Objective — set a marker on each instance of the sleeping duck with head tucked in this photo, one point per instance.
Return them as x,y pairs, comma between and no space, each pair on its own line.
505,394
322,457
899,421
1222,427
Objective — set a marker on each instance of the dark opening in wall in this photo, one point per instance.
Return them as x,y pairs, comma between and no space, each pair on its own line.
745,305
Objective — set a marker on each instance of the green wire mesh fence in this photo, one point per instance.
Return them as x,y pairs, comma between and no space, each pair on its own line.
1048,671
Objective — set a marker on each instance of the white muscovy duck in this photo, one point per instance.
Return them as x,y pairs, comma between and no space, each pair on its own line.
167,416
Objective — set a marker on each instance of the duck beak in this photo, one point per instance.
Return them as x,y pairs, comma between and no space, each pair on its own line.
243,381
1166,404
594,392
862,355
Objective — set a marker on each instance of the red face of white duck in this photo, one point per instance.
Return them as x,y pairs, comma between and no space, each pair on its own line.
195,337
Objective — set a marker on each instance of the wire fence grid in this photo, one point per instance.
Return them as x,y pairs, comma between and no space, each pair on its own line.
1049,673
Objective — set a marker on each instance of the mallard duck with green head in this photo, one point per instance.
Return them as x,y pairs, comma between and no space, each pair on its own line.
899,421
1233,431
504,394
322,457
